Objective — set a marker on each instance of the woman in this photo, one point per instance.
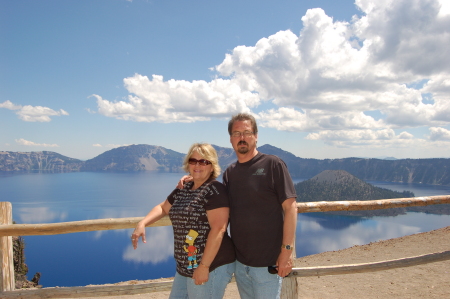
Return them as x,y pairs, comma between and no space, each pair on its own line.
199,212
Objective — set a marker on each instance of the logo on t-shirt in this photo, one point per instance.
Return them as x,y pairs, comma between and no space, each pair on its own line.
260,171
191,250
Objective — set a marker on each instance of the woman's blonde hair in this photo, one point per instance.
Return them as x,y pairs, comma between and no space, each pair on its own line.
207,152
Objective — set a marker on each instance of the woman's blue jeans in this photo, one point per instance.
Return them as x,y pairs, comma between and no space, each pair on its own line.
184,287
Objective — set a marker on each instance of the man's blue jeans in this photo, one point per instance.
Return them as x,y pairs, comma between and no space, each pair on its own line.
257,282
184,287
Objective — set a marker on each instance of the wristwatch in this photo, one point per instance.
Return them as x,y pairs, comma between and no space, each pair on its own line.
288,247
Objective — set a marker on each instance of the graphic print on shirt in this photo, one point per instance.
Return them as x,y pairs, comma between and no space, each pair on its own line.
191,249
260,171
189,218
190,227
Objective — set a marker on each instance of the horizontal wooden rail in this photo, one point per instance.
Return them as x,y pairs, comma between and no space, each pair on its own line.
328,206
371,267
89,291
123,223
119,290
75,226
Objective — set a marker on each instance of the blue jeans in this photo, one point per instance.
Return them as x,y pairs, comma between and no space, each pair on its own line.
185,288
257,282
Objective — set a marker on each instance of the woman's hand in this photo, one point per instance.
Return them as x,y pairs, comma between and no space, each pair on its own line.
201,274
139,231
154,215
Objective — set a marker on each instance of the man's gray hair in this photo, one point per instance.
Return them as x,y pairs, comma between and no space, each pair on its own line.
243,117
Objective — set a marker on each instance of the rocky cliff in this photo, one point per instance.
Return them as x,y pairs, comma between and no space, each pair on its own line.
38,161
141,157
21,268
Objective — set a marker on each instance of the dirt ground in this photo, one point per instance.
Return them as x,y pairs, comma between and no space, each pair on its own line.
424,281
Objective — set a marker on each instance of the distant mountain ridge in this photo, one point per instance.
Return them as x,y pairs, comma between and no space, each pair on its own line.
141,157
144,157
421,171
43,161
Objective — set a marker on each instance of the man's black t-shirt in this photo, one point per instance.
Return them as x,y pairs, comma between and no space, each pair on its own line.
256,190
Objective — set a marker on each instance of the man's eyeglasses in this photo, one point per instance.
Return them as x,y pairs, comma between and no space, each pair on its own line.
239,134
201,162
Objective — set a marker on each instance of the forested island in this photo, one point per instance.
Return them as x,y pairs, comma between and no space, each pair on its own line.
339,185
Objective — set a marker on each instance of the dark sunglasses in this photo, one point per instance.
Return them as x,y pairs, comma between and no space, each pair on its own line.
201,162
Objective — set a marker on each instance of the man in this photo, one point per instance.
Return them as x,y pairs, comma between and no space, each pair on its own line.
263,213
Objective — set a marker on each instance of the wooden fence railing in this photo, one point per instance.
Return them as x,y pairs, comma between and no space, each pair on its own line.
7,230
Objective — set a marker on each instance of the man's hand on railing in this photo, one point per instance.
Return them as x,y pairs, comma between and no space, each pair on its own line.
284,262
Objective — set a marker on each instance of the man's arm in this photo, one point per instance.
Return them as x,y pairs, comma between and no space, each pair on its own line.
285,260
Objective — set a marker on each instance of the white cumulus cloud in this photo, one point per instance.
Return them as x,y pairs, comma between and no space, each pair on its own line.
22,141
391,61
439,134
33,113
177,101
366,138
9,105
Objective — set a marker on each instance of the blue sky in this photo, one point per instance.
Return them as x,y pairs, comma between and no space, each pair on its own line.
325,79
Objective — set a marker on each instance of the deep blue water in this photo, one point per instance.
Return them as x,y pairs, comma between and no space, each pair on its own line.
80,259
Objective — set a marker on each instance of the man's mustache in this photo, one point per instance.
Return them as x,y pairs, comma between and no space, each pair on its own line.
242,142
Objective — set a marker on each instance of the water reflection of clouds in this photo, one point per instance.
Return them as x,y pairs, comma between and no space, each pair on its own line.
314,238
308,226
118,213
114,213
39,215
423,222
159,246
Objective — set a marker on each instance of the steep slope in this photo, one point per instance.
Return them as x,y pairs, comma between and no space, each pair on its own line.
339,185
140,157
226,156
38,161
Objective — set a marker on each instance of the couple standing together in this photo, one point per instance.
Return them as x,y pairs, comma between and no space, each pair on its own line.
257,198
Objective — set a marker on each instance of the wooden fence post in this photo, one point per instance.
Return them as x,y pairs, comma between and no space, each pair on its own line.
289,288
7,281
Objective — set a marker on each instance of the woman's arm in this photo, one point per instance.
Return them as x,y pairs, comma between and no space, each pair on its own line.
218,221
154,215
